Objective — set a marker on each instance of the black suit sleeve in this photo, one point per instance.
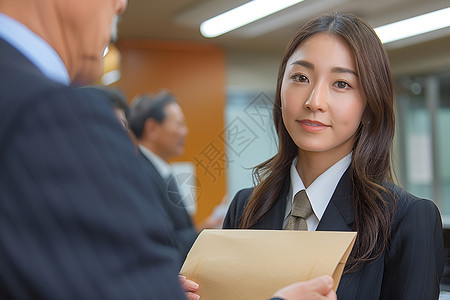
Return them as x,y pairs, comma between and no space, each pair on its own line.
414,263
74,209
185,238
185,233
183,228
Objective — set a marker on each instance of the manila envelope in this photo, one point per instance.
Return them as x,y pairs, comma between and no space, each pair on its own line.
254,264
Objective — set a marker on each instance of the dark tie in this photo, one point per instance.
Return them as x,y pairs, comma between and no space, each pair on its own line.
301,210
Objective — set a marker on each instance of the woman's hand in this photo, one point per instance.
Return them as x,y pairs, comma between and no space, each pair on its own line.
190,287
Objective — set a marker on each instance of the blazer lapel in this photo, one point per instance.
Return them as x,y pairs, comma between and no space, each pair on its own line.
339,214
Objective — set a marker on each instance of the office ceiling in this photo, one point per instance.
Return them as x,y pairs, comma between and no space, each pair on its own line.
180,20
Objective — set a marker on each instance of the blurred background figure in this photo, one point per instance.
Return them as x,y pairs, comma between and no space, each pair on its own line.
159,125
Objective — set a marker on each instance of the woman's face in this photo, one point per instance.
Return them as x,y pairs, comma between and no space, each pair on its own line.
321,97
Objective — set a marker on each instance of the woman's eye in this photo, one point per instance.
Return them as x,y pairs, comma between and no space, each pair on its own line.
342,84
300,78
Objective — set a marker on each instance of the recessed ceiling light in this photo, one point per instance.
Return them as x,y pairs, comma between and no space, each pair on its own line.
414,26
243,15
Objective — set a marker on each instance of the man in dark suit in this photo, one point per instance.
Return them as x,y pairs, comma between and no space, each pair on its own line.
73,206
74,209
159,126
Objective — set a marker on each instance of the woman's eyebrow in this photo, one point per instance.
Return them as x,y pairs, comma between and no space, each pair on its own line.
310,66
343,70
304,63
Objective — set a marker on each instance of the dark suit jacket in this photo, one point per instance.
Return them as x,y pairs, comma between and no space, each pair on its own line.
185,233
411,267
75,220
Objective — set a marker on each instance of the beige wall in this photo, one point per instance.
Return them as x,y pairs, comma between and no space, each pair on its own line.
422,58
252,71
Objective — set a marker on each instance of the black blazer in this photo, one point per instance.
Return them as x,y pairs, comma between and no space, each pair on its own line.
410,268
75,217
185,233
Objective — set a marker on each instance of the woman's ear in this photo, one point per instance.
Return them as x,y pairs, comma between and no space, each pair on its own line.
365,120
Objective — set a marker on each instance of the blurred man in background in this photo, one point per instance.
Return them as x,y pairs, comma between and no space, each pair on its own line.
159,126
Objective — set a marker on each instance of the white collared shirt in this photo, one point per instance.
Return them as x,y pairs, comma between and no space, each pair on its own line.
319,192
163,168
166,171
33,47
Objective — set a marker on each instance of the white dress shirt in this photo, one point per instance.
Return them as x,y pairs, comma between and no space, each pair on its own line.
33,47
163,168
319,192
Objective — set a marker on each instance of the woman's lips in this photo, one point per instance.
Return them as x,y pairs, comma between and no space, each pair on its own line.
312,126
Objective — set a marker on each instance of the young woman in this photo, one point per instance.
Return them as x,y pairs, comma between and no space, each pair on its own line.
334,117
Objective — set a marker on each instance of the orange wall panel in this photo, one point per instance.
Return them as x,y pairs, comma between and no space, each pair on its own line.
195,74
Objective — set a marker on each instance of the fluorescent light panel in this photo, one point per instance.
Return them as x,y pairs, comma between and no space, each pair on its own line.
243,15
414,26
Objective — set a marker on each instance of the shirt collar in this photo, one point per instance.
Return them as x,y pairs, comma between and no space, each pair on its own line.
34,48
163,168
322,189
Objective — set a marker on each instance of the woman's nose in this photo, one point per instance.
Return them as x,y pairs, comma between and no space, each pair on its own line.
318,99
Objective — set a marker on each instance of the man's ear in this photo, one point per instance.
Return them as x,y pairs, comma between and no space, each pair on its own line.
151,129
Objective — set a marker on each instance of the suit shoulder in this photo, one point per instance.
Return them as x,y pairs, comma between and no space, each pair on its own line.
30,93
241,198
240,201
404,198
407,203
23,86
33,96
236,208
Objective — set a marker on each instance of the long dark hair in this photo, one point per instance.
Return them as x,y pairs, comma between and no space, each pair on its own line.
370,167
